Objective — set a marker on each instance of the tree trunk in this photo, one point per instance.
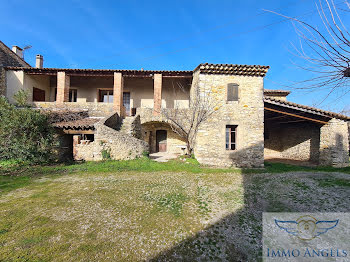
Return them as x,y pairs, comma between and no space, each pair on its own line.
189,148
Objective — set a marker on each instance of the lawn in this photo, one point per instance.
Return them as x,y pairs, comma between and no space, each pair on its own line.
142,210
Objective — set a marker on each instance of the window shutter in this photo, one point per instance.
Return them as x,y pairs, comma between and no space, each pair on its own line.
232,92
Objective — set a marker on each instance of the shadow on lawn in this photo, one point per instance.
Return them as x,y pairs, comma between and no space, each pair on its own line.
238,236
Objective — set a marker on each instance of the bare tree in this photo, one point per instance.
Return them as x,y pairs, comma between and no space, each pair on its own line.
186,121
326,49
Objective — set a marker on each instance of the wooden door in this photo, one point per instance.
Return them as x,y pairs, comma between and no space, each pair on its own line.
161,141
38,95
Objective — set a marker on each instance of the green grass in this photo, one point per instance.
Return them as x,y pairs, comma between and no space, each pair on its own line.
140,209
334,182
14,174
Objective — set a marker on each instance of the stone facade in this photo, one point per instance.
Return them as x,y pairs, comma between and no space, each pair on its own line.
334,144
94,109
154,94
109,143
247,113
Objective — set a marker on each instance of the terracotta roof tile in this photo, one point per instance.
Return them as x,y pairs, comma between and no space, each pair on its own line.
81,124
231,69
101,71
304,108
280,92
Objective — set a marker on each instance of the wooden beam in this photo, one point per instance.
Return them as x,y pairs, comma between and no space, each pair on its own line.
276,117
295,121
78,132
298,116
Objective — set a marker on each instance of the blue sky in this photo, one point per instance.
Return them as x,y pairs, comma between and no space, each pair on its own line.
171,35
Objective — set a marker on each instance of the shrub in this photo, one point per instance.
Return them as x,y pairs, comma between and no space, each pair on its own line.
106,154
21,98
25,134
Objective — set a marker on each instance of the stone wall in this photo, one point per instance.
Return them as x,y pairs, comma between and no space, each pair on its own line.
111,143
297,141
94,109
334,144
247,114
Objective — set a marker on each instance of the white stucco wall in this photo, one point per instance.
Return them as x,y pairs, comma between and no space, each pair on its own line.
141,89
18,80
14,83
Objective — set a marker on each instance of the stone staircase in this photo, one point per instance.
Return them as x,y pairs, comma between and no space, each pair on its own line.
131,126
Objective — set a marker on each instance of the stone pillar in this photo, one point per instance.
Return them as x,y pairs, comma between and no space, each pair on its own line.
118,87
334,144
63,84
157,89
76,141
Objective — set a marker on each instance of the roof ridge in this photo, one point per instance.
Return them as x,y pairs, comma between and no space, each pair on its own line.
276,91
233,69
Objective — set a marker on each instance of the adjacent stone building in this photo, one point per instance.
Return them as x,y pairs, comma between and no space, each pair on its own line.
126,114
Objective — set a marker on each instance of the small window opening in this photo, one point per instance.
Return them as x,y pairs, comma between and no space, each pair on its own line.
231,133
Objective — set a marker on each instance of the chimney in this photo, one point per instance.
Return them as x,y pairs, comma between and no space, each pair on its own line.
39,61
17,50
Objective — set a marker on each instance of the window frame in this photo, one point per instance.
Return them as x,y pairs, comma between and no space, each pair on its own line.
73,93
70,95
105,89
228,144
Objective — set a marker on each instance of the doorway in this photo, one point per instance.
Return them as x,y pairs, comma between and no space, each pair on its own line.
126,103
161,141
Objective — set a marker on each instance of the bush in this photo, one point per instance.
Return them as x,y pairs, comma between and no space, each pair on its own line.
25,134
106,154
21,98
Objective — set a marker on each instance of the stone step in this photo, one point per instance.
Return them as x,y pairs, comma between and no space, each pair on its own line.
126,127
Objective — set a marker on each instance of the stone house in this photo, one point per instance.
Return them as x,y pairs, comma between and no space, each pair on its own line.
123,114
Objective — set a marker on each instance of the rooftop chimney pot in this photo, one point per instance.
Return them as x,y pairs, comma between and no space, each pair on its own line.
39,61
17,50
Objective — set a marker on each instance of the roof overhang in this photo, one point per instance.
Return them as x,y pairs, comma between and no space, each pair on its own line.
279,109
102,72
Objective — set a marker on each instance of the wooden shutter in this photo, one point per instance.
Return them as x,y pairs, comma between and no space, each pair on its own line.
232,92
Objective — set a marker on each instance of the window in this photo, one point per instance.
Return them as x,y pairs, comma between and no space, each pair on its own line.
231,137
106,96
73,94
232,92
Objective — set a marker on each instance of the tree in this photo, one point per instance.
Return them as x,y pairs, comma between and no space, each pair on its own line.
325,49
186,121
